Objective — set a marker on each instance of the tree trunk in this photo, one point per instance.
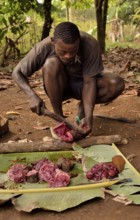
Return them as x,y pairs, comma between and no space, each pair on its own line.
48,20
101,17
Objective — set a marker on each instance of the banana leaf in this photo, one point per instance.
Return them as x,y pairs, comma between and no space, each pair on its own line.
37,195
58,201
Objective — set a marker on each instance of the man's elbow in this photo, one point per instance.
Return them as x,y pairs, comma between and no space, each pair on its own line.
16,72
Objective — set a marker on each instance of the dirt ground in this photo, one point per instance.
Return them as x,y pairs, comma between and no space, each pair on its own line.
24,126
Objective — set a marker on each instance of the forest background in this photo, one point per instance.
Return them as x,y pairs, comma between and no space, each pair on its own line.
24,23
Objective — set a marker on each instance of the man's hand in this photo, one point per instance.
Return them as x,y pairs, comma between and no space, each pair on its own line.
86,124
36,104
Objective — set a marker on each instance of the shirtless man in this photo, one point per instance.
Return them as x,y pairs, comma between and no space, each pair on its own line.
72,68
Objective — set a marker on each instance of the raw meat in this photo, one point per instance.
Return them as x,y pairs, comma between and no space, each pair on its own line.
42,170
36,165
47,171
101,171
32,176
65,133
54,176
65,164
18,172
61,178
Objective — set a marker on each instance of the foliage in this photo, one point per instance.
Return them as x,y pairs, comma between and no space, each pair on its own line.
127,12
137,14
18,16
124,10
82,12
77,4
13,16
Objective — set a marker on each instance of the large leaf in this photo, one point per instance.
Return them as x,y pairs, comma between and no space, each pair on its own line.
73,195
100,153
5,198
57,201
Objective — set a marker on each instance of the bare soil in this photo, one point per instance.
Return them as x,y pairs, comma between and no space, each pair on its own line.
24,126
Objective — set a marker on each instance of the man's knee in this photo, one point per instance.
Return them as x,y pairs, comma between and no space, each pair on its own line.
53,66
109,87
118,84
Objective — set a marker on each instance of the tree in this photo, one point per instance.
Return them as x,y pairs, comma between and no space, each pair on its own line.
101,17
14,23
48,19
13,16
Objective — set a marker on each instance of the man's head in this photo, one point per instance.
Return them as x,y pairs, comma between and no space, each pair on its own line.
66,41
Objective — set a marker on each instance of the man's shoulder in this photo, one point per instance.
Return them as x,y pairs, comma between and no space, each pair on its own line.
46,42
87,38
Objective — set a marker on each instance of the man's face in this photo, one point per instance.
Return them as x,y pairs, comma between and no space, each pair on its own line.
66,52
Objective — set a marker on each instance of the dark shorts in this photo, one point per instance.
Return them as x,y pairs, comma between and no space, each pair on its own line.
75,87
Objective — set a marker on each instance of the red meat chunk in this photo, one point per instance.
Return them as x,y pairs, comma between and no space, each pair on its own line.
102,171
32,176
47,171
63,132
43,170
55,177
61,179
39,163
18,172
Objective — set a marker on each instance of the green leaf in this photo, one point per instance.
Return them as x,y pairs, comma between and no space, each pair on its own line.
79,180
58,201
3,178
125,189
135,199
4,21
87,163
100,153
2,33
5,197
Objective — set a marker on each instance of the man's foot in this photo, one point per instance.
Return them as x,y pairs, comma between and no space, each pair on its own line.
80,112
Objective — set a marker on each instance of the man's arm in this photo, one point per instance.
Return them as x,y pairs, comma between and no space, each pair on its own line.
35,101
89,99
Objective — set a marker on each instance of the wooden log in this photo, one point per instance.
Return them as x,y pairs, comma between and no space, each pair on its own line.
57,145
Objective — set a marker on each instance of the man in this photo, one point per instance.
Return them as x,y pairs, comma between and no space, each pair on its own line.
71,65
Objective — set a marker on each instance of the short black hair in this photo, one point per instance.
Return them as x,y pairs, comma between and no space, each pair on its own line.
67,31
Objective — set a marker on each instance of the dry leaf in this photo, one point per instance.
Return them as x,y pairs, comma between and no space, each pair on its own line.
47,138
12,113
131,157
41,127
18,107
67,113
122,199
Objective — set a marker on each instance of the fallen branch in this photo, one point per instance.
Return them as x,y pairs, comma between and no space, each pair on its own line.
57,145
120,119
125,67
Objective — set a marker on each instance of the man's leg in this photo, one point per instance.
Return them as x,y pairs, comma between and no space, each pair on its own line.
109,87
55,82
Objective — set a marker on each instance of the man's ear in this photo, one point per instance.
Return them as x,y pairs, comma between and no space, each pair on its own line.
52,41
